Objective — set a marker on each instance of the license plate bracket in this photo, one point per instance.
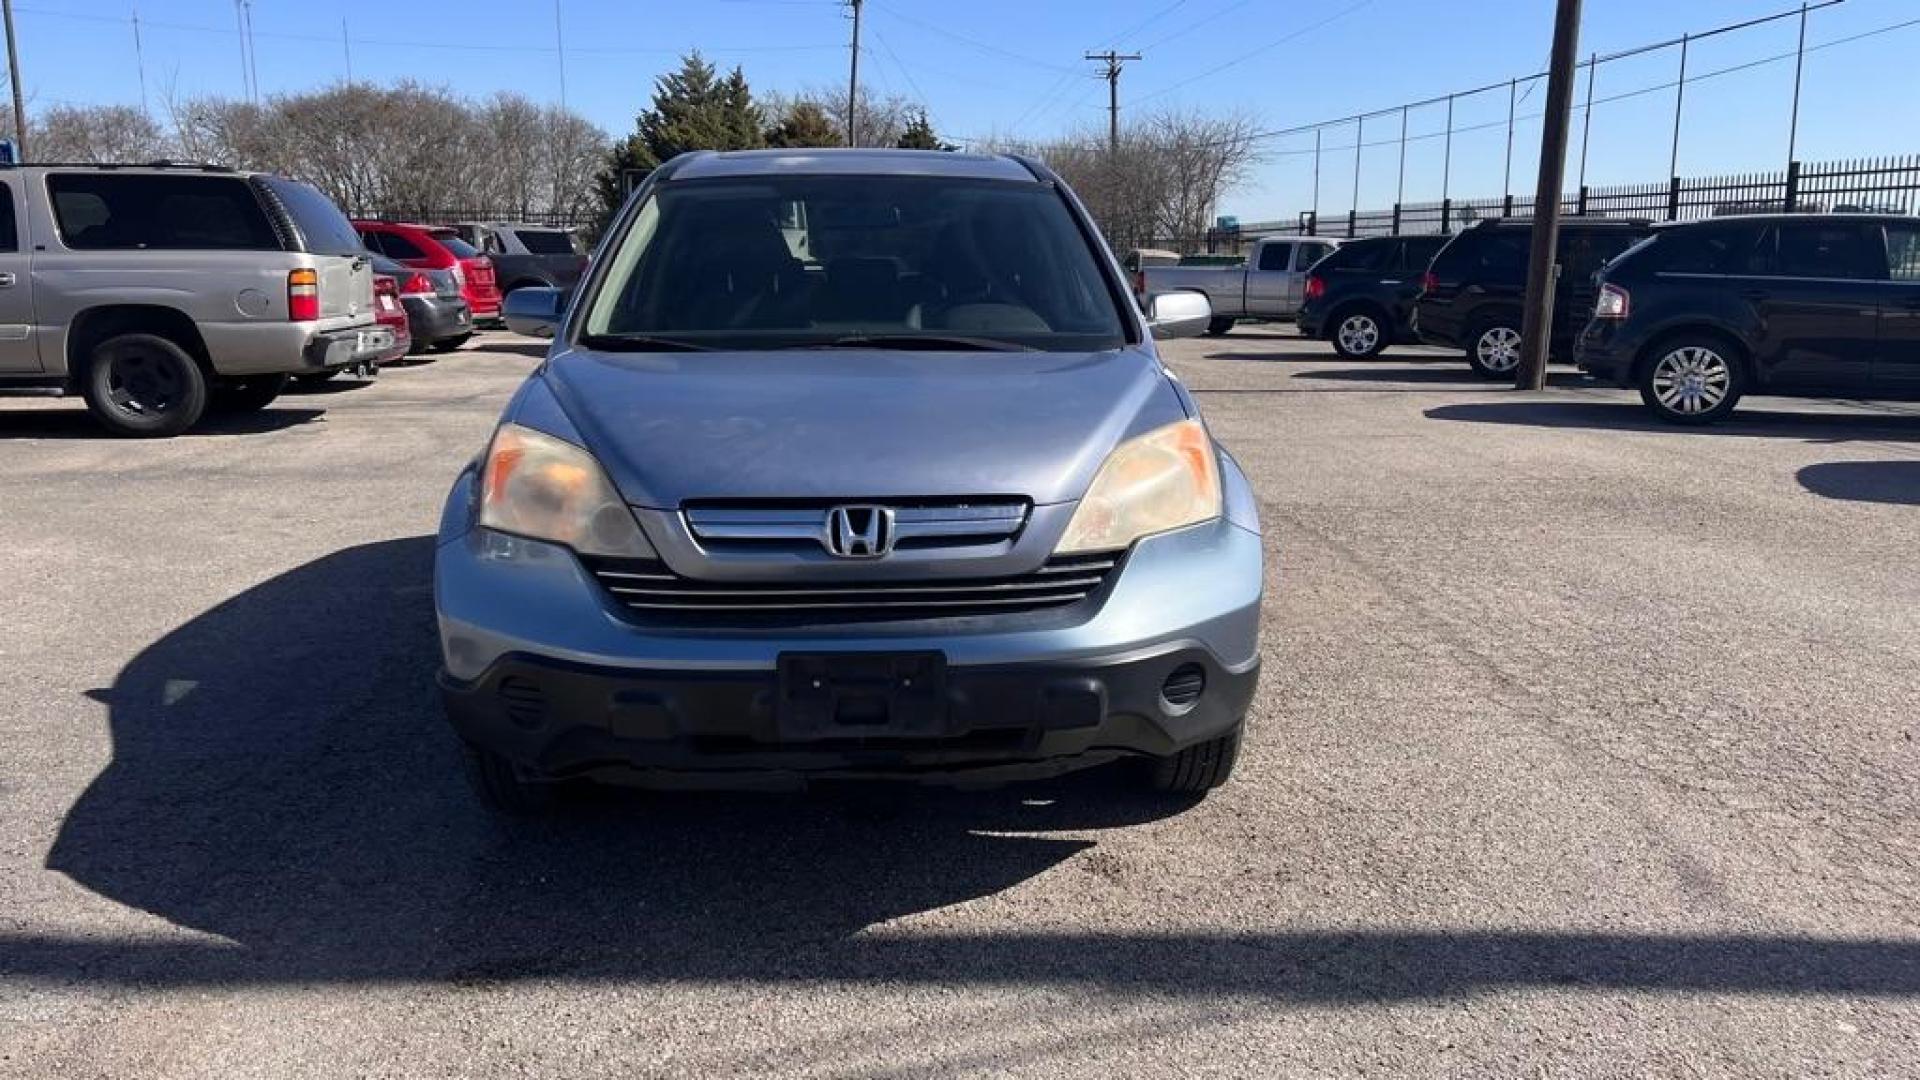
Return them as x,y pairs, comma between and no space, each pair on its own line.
863,695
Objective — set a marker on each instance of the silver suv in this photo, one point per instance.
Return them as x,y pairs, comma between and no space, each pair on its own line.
849,464
158,291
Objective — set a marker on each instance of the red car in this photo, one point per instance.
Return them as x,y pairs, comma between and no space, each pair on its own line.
434,247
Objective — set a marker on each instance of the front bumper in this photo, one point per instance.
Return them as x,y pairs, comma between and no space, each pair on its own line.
1602,357
522,623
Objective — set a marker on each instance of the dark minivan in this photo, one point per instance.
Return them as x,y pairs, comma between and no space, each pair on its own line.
1471,296
1361,297
1800,304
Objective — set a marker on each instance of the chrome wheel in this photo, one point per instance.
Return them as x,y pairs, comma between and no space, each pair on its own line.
1691,380
1358,335
1498,349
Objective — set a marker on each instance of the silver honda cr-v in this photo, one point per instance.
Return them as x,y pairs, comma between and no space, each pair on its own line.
849,464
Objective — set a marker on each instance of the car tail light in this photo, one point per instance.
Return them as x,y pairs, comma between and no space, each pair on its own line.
303,295
385,286
1429,282
1316,286
1612,304
417,284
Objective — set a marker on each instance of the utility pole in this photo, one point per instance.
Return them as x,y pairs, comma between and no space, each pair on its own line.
1537,322
13,73
140,59
560,54
1115,62
346,47
1799,60
853,78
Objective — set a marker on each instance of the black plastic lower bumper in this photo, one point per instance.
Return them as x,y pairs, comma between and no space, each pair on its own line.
756,728
436,319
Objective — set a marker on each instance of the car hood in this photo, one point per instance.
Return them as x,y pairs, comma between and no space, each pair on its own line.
670,428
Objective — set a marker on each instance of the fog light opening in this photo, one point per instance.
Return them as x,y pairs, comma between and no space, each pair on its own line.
1183,687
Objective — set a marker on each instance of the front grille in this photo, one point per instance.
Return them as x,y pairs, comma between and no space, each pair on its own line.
649,588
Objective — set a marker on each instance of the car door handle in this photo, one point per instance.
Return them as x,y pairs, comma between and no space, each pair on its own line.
7,281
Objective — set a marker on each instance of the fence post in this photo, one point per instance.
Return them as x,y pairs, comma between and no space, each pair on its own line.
1313,223
1673,200
1396,219
1793,186
1506,206
1353,223
1446,215
1583,199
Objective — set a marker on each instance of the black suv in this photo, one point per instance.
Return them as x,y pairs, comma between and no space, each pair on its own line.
1471,296
1361,296
1800,304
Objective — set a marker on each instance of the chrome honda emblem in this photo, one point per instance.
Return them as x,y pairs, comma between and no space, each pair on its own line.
859,532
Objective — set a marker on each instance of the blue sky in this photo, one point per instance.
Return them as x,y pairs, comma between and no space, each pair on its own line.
1013,67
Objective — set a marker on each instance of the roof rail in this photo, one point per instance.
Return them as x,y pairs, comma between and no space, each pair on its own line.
199,166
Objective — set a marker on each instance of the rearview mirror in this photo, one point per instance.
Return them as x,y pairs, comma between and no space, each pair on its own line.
1178,314
534,311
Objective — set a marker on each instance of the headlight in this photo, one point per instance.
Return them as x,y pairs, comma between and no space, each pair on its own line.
1162,480
549,489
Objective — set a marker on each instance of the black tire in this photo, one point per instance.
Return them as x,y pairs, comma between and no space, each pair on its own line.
1197,769
1219,326
1358,332
1692,378
450,344
143,386
506,788
318,378
248,395
1493,347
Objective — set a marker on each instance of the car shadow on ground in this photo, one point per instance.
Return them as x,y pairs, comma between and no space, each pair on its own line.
1455,374
281,780
1895,482
75,423
535,348
1884,423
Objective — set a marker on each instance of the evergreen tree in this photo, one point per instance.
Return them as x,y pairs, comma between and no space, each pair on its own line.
806,124
693,109
919,135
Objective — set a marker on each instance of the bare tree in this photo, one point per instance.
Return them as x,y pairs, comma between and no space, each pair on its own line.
881,120
1203,158
96,133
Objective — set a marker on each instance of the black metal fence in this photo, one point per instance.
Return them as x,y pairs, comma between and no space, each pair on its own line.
555,219
1884,185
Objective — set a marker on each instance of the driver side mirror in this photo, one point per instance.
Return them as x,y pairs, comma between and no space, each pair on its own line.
1178,315
534,311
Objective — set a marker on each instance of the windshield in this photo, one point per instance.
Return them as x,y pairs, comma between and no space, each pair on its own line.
452,242
798,261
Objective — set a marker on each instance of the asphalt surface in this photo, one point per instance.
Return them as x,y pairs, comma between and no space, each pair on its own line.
1585,747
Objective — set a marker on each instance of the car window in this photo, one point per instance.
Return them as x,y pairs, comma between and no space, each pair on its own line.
798,260
9,226
545,241
1821,249
1367,255
1502,253
135,212
324,230
400,246
1418,251
1305,255
1704,250
451,241
1903,252
1582,253
1275,256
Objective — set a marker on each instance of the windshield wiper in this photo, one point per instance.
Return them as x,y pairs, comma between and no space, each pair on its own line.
922,342
640,343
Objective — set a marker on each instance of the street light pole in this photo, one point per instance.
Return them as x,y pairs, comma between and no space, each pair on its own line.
13,74
853,79
1537,319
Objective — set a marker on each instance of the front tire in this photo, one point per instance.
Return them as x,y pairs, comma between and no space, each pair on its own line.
506,788
1219,326
450,344
144,386
249,394
1493,350
1197,769
1692,379
1358,334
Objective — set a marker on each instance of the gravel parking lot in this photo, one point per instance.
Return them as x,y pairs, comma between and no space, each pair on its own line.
1585,747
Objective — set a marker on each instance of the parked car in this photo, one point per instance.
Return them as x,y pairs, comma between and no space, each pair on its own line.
156,292
437,247
437,315
1140,258
1270,285
1361,297
923,504
527,255
1795,304
1471,295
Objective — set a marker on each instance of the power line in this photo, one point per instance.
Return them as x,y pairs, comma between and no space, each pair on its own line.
972,42
1249,55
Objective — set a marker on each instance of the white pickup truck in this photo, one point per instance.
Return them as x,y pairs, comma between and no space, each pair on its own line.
1270,285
